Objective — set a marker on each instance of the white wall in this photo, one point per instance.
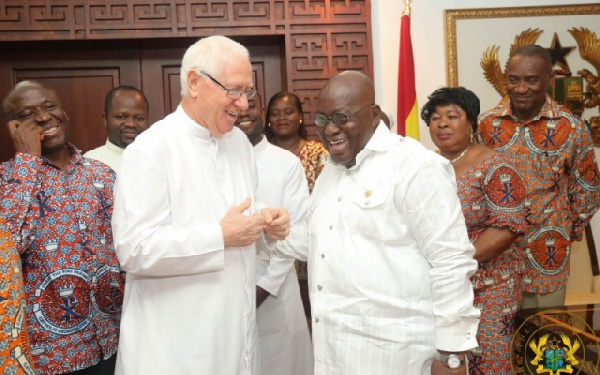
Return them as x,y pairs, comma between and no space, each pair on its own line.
427,31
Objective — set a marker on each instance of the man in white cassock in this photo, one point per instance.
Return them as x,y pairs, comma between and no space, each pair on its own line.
185,224
285,346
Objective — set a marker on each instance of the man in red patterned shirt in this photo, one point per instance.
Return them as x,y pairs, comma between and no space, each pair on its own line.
554,152
58,207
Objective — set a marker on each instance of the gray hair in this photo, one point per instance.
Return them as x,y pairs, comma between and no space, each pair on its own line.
208,54
6,108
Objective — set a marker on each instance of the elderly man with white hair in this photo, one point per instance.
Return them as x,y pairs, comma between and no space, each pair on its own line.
185,225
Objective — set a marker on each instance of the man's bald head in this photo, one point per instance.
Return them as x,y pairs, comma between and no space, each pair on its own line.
346,115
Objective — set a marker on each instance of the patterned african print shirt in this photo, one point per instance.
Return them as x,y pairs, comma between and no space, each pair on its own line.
491,194
313,157
15,355
61,224
555,156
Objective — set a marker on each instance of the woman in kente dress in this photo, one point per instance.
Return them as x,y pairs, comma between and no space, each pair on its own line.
491,192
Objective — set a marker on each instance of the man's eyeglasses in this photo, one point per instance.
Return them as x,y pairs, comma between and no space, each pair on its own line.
232,93
338,118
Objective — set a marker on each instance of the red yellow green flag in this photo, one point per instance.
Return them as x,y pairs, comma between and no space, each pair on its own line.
408,117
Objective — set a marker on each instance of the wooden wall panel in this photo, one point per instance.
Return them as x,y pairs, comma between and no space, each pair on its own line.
321,37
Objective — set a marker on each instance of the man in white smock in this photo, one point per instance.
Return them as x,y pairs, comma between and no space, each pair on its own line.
185,223
285,346
389,258
125,117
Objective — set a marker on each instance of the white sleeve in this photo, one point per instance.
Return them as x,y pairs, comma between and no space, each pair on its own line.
438,223
295,200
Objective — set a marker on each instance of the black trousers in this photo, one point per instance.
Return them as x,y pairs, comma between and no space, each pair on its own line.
104,367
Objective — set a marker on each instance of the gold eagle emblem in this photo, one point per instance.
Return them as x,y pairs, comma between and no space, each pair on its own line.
589,50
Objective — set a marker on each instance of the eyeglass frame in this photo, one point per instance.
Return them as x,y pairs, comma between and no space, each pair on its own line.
237,93
346,118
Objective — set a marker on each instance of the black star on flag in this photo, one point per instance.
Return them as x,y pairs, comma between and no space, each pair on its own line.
558,53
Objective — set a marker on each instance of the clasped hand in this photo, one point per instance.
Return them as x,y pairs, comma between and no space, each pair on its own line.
242,230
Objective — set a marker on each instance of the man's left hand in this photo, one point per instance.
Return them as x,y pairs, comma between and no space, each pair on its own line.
277,222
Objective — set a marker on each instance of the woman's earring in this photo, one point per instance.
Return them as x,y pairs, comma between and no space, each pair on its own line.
300,121
268,124
471,137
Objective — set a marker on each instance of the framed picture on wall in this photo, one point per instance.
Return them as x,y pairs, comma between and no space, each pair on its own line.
488,34
472,32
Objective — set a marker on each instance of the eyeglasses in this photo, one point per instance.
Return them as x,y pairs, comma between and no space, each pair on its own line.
232,93
338,118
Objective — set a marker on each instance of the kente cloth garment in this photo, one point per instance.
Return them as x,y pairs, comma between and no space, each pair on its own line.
389,261
189,304
313,157
555,157
492,195
15,354
284,341
110,154
60,223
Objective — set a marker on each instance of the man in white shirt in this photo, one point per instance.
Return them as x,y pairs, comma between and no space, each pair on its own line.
125,117
185,224
284,341
389,258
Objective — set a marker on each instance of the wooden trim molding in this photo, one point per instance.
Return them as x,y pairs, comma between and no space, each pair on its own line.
322,37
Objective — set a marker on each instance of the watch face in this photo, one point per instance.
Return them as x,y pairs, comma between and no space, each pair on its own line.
453,361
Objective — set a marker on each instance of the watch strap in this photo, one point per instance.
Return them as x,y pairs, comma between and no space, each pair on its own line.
446,358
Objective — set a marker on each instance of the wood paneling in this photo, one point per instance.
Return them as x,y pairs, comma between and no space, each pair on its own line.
321,37
317,38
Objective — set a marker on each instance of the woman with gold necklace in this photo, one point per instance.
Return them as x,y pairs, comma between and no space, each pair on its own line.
285,128
492,195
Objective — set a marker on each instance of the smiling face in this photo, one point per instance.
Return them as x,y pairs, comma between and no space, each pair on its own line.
527,79
350,93
40,105
251,120
450,129
208,103
127,117
285,117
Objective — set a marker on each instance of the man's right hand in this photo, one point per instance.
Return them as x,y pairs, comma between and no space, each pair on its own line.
239,229
26,136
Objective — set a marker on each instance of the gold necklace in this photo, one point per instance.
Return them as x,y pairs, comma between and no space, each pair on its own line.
461,154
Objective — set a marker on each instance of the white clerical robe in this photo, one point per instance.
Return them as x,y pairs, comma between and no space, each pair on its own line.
110,154
189,304
389,261
285,346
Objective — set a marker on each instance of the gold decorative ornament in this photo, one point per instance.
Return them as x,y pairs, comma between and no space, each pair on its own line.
589,50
